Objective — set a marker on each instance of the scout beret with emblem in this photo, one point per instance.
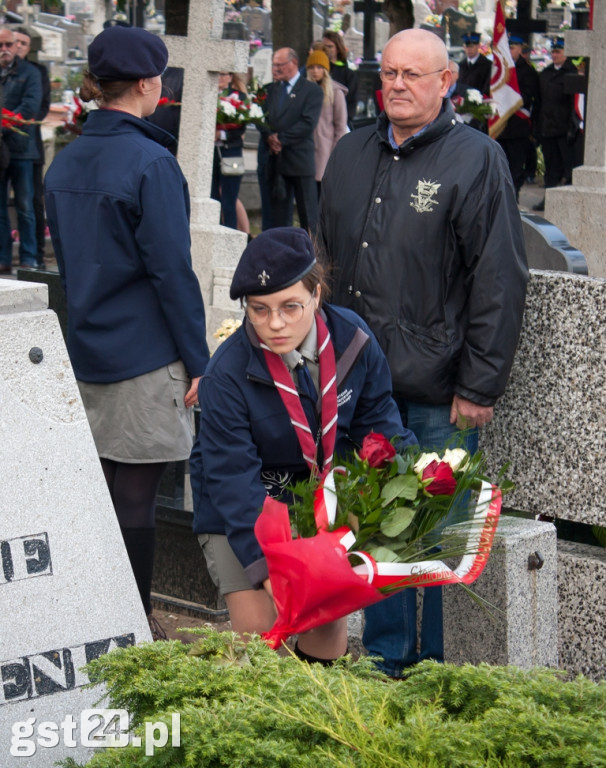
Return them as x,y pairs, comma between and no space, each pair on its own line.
126,53
516,39
557,42
272,261
472,37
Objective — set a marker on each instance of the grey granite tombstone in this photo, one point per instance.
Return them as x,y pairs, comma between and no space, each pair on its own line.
68,593
550,425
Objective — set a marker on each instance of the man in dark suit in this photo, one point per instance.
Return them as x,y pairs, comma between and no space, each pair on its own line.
475,69
293,109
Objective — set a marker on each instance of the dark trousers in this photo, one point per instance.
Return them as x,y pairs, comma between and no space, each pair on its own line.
39,211
226,189
306,197
515,150
558,155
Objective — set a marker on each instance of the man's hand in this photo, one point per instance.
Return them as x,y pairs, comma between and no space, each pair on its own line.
191,398
466,414
274,143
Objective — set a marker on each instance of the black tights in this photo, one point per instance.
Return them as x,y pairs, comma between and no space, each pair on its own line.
133,489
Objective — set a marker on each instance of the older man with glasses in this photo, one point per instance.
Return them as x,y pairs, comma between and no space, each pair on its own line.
420,225
22,91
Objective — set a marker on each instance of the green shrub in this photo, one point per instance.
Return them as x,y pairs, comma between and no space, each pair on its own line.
245,706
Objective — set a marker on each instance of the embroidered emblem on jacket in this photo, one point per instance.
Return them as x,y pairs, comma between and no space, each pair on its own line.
275,481
344,397
424,201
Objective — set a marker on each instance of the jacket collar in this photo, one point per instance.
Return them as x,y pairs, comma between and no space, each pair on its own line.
100,122
14,67
443,123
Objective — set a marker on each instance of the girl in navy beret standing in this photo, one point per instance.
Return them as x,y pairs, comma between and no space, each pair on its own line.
298,383
118,211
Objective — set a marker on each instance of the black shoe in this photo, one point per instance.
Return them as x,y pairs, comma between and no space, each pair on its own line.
539,206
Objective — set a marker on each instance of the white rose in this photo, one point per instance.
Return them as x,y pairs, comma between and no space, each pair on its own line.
256,113
228,108
457,458
475,97
424,460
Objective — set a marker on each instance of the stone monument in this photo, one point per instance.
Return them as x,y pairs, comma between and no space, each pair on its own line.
68,593
580,210
550,425
203,54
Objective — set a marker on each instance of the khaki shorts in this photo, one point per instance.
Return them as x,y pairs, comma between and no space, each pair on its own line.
224,568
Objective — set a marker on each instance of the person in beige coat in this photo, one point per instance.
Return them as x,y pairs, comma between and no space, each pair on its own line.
333,118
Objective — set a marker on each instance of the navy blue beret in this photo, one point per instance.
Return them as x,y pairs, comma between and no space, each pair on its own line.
126,53
272,261
557,42
516,39
472,37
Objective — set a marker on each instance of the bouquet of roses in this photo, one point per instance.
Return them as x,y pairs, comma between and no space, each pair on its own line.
373,527
233,112
473,106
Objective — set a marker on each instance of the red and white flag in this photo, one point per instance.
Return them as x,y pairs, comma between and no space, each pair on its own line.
504,88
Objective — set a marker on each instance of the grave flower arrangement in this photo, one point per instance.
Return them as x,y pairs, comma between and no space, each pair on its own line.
473,106
234,112
375,526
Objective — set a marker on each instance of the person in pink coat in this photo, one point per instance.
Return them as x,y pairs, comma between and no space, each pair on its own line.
333,118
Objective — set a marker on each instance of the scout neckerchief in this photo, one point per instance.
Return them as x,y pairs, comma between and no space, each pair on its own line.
328,398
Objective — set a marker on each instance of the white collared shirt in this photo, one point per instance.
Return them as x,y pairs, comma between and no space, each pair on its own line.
291,83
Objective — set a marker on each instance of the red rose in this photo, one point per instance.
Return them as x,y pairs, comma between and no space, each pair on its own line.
377,450
443,481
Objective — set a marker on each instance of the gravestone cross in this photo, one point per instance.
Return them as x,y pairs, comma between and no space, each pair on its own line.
203,54
368,8
592,44
580,210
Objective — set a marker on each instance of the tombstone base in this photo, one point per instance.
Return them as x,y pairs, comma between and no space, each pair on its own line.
582,612
216,251
580,212
519,626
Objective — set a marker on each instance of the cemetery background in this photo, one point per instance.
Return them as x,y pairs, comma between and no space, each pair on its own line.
550,425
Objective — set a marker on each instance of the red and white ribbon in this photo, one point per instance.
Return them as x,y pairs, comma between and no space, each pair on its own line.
481,530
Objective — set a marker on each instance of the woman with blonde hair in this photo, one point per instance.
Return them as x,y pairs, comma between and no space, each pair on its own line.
333,118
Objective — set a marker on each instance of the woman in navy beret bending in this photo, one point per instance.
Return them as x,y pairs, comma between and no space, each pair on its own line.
264,424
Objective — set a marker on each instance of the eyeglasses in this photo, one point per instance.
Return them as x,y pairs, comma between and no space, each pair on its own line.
6,45
391,75
291,312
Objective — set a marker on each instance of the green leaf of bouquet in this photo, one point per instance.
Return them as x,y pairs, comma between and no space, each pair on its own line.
383,555
401,487
397,521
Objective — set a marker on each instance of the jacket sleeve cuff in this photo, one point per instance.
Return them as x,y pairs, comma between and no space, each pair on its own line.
257,573
475,397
